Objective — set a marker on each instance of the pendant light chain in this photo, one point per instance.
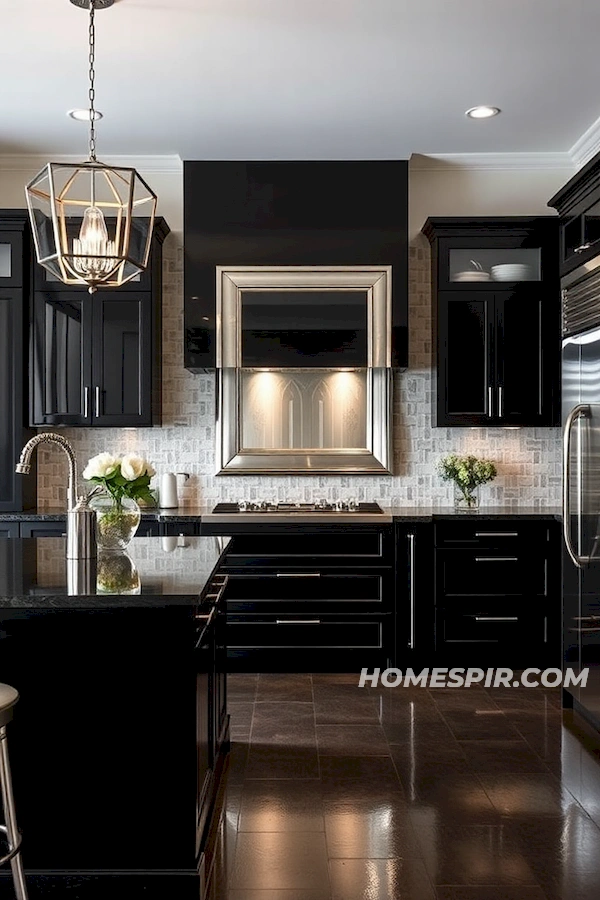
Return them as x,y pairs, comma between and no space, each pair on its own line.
92,75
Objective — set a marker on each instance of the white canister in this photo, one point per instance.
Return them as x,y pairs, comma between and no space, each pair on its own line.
167,497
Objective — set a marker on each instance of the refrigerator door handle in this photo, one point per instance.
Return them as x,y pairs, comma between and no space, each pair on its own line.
582,411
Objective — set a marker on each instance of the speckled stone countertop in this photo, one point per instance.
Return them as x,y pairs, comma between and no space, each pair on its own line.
34,573
196,514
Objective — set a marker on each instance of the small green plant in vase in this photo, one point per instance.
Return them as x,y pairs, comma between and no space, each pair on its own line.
120,483
467,473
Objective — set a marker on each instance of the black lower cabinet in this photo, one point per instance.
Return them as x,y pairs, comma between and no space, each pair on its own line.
9,529
119,736
497,593
318,600
36,529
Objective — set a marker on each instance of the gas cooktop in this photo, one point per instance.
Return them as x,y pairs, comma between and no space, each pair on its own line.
322,506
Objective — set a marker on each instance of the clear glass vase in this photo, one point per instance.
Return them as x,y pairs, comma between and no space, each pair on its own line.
466,500
117,574
118,521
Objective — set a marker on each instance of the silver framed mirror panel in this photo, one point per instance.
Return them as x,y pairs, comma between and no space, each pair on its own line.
374,458
233,281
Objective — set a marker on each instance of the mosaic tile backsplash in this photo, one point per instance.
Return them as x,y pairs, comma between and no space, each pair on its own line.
528,459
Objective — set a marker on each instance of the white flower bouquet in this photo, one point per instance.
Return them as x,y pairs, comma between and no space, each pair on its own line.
120,483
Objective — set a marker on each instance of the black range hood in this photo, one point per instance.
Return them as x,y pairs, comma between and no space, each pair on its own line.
332,213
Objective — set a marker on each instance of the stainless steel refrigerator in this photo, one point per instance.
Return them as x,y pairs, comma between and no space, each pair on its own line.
581,483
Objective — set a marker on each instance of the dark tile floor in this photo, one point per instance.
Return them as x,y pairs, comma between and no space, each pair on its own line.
336,792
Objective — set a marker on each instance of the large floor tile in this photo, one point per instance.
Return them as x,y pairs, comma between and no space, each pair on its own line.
352,740
380,879
286,761
479,725
451,799
490,892
318,894
474,855
283,724
521,796
373,828
502,756
290,688
241,687
279,805
365,772
284,860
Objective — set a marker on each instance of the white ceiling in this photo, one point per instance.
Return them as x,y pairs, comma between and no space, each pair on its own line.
252,79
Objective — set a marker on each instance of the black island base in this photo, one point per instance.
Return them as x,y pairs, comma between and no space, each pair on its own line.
121,732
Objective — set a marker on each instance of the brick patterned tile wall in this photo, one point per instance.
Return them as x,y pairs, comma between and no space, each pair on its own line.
528,459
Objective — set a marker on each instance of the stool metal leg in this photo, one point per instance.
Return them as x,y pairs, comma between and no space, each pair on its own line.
12,831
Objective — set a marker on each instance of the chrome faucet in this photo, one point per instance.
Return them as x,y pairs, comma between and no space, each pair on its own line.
81,520
23,467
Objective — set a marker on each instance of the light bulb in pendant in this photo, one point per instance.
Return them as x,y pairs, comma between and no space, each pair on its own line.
94,254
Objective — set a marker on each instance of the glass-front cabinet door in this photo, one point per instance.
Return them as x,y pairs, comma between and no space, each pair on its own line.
62,359
488,264
11,259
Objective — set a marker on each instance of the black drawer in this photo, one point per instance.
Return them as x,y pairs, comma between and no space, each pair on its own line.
462,573
43,529
354,547
311,590
502,535
509,628
303,632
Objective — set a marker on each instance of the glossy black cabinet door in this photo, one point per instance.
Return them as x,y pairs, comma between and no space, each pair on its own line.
466,325
414,594
11,396
43,529
9,530
96,359
527,358
497,339
122,359
61,343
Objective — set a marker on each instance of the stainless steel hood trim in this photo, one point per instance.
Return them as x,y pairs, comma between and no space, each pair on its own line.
375,459
232,281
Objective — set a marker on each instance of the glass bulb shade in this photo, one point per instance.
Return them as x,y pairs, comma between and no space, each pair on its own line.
92,224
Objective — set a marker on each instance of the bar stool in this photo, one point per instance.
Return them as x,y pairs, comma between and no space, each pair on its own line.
8,698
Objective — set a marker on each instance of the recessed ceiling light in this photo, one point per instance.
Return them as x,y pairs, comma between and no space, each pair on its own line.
83,115
482,112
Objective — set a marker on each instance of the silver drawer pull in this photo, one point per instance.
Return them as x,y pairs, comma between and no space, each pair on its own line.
582,248
297,621
298,575
496,559
496,534
496,618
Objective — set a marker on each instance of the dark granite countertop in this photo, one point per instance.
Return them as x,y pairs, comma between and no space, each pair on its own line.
34,573
196,514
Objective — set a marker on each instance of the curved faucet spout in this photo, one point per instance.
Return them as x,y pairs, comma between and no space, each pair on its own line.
23,467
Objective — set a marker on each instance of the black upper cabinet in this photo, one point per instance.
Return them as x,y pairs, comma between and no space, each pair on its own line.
96,359
496,321
578,204
293,214
16,492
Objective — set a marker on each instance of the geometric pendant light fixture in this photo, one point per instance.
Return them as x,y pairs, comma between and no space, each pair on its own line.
92,223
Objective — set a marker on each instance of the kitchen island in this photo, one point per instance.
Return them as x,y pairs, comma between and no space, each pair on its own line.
121,732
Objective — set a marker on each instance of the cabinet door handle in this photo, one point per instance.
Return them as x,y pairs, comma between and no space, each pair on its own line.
496,559
500,401
496,618
490,411
583,247
86,401
545,629
298,575
496,534
97,401
297,621
411,575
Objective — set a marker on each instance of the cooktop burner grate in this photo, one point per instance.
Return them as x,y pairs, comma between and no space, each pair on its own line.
264,507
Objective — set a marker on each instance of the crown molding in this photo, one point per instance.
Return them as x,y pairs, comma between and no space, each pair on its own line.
150,165
587,145
489,162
